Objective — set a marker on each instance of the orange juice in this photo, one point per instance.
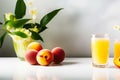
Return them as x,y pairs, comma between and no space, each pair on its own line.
100,50
116,49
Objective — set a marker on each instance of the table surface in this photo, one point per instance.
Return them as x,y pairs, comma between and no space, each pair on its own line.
69,69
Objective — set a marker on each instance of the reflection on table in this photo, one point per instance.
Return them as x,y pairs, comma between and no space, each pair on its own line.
100,74
70,69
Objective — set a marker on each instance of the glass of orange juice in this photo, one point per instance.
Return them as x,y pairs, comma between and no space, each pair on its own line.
116,49
100,49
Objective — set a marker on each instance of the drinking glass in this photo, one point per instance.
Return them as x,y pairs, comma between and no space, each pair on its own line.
100,49
116,49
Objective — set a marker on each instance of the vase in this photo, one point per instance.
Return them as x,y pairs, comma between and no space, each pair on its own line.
20,45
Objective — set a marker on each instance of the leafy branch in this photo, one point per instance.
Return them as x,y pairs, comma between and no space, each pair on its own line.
17,21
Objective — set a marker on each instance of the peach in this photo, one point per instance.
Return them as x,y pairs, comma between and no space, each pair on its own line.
30,56
44,57
34,45
59,55
117,62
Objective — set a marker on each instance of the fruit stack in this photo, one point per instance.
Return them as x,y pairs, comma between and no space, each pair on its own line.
36,54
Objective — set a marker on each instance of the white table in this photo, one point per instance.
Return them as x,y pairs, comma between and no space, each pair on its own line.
70,69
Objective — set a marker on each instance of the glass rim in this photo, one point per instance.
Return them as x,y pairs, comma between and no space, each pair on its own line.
116,40
100,35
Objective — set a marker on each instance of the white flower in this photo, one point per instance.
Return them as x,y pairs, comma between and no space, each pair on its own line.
116,27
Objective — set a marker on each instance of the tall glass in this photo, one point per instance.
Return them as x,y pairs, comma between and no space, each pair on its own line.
100,50
116,49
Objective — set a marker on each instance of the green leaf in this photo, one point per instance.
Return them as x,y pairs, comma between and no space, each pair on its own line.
20,23
20,9
17,24
48,17
42,29
36,36
1,23
21,34
29,25
38,25
10,23
2,39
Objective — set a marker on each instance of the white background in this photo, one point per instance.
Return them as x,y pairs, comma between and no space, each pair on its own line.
71,29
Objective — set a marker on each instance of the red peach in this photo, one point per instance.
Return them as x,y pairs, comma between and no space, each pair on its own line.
44,57
30,56
34,45
59,55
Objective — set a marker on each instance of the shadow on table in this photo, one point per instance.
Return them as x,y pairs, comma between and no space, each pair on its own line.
64,63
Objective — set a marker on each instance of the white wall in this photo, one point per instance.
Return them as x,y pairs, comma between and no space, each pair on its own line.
71,29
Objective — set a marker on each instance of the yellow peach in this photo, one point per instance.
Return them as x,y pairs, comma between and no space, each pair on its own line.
34,45
44,57
117,62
